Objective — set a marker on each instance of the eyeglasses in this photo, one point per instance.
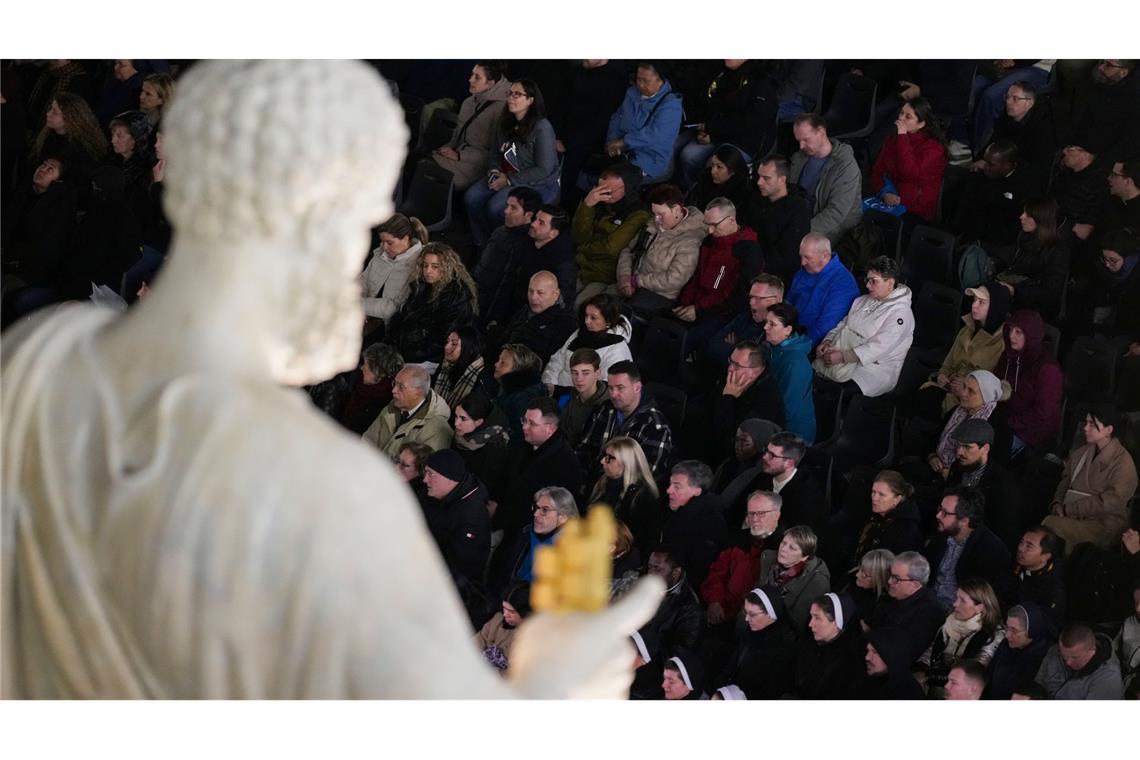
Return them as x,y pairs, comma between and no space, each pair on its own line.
714,225
738,365
750,515
774,455
1017,97
872,280
607,458
946,512
1111,65
515,94
543,510
899,579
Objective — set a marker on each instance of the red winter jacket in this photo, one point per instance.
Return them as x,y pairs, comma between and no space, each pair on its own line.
731,576
718,270
915,163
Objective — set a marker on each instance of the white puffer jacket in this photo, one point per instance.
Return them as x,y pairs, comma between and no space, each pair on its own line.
557,370
880,334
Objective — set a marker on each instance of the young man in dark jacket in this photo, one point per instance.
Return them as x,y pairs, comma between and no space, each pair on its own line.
781,215
1037,573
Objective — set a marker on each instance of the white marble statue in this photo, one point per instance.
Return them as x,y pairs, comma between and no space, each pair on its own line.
176,524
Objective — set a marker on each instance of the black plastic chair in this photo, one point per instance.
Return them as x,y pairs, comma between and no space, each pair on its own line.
671,401
429,197
439,129
937,316
1052,340
851,113
892,228
867,436
1090,370
413,108
920,363
662,350
930,254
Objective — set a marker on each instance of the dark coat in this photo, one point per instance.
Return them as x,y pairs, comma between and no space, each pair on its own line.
698,528
551,464
1045,267
1035,138
461,526
1045,589
763,400
506,566
920,615
494,275
742,107
804,502
484,452
516,390
780,226
983,556
556,257
763,665
897,531
642,513
833,669
897,682
990,208
1013,670
543,333
421,325
679,622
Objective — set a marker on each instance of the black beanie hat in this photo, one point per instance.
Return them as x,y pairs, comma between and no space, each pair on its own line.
447,463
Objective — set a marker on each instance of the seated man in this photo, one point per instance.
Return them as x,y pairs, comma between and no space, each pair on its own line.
911,606
733,573
1123,208
728,255
974,466
994,197
967,680
494,273
1081,665
1037,573
629,411
825,169
456,512
678,624
696,524
803,500
645,127
543,324
1109,116
781,215
542,458
654,267
823,290
750,391
965,548
1099,480
888,667
550,248
514,559
1027,127
415,414
590,392
1078,186
607,220
765,290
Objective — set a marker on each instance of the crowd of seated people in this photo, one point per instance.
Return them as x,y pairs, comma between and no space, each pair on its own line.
645,298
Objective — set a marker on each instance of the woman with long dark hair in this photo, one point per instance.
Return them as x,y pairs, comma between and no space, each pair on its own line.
522,155
1036,272
603,328
462,366
726,176
912,161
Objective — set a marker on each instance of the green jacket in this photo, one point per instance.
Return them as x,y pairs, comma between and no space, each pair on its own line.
599,236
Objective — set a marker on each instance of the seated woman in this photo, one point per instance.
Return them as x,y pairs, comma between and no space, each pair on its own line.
972,631
645,126
894,522
795,571
626,562
465,154
155,96
601,327
792,368
741,111
72,134
131,135
462,369
978,345
1036,271
516,373
355,399
870,582
653,268
979,398
494,640
627,486
829,665
387,278
1091,501
522,153
481,438
762,665
442,297
1033,411
869,345
409,461
727,176
909,168
1018,657
684,678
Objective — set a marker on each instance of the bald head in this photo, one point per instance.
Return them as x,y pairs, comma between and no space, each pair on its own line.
815,252
542,292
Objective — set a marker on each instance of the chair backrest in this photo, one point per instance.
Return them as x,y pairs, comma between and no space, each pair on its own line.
937,315
671,401
931,251
852,109
429,196
1052,339
1090,370
868,434
920,363
439,129
413,106
660,355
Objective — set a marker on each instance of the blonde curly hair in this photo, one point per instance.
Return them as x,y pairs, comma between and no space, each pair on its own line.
453,269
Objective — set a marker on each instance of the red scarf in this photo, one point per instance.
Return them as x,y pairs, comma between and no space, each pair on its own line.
784,577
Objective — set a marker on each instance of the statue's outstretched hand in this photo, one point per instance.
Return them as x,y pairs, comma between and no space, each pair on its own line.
582,655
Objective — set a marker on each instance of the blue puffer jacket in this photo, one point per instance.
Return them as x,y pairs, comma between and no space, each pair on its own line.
823,299
650,139
793,373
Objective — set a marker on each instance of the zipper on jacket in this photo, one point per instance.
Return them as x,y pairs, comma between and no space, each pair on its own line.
718,278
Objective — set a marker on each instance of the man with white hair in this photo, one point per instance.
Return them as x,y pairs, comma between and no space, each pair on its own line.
911,606
823,290
176,523
733,573
415,415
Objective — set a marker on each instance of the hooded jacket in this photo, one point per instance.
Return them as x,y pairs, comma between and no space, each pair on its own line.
557,370
1103,484
832,669
790,366
1013,670
897,682
1033,411
1099,679
602,232
718,270
475,134
649,127
838,200
879,334
976,346
662,259
822,299
429,426
914,163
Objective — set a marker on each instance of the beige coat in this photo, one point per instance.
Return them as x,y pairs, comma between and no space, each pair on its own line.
971,350
429,426
473,144
1100,488
670,258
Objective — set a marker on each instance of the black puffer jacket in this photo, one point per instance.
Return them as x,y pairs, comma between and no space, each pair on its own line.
421,326
897,531
742,108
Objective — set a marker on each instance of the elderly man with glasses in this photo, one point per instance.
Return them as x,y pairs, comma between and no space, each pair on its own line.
514,559
911,607
733,573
